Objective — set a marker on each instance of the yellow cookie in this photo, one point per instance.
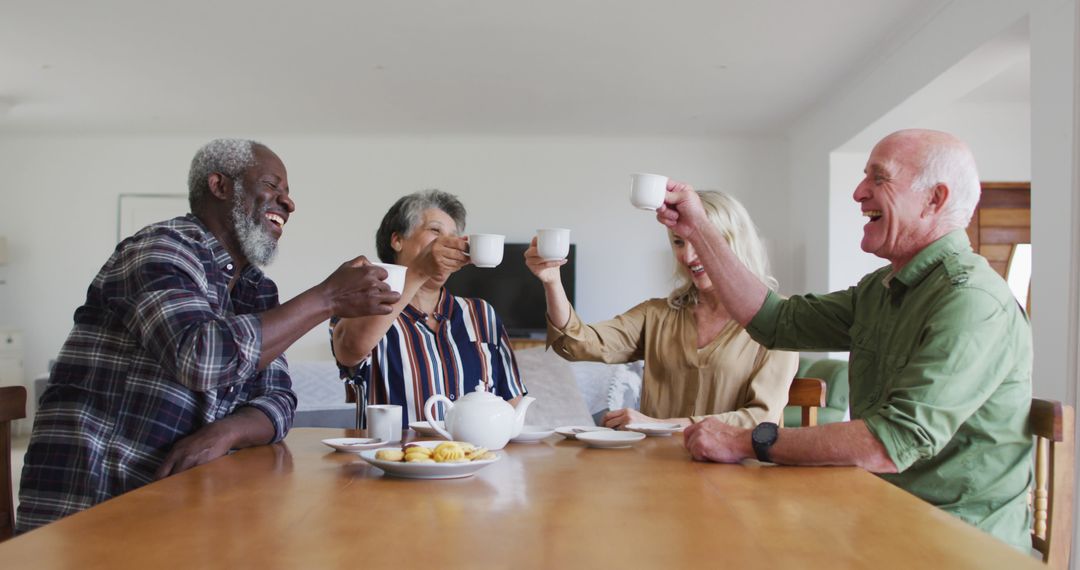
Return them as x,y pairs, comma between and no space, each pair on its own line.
418,459
390,454
448,452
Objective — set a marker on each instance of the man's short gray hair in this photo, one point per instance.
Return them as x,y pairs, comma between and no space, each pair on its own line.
230,157
954,166
406,214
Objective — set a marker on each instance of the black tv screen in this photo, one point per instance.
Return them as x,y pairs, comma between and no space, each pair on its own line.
516,294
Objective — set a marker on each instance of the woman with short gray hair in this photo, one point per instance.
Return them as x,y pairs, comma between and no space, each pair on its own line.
432,342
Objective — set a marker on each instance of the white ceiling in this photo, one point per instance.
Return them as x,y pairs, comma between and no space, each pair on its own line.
603,67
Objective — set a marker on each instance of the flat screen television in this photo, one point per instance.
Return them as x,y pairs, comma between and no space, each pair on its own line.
516,294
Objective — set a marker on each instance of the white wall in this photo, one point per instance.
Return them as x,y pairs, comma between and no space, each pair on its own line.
917,60
1054,152
60,199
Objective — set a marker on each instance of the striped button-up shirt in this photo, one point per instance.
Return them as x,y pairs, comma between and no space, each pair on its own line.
160,349
412,362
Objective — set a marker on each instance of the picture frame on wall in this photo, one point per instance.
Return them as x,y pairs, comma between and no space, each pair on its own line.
136,211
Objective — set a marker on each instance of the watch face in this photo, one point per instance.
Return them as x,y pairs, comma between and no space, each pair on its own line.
765,433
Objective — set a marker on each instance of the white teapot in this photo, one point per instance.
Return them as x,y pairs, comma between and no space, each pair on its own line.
480,418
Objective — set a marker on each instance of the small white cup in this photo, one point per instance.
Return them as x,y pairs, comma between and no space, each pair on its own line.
647,190
553,244
486,250
395,276
384,422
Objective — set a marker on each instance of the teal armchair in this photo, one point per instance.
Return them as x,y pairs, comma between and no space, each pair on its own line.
835,375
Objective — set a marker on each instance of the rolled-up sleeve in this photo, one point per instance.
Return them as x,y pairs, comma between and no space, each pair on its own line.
272,395
944,381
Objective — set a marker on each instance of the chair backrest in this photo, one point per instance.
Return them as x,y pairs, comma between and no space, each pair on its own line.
808,394
1052,426
12,407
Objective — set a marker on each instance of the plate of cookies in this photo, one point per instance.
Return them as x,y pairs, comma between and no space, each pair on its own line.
431,459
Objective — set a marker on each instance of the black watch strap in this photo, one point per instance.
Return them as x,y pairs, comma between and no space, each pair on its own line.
762,439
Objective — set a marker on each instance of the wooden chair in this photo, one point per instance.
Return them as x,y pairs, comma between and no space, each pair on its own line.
808,394
1052,426
12,407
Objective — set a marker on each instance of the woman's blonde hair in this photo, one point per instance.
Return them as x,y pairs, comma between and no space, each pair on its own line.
734,223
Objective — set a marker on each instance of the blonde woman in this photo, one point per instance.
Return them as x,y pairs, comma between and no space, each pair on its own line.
698,360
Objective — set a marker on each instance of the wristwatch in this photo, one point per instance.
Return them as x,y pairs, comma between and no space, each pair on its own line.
762,438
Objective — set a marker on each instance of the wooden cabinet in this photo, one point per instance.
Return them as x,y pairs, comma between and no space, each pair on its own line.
1002,220
523,343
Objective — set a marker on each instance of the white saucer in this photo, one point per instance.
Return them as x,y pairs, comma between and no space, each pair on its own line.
611,439
428,470
571,432
654,428
532,434
425,429
354,444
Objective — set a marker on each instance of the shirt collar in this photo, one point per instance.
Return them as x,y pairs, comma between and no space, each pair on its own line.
443,308
222,259
926,260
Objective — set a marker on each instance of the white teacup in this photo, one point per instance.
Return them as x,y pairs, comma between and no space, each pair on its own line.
384,422
486,250
395,276
647,190
553,244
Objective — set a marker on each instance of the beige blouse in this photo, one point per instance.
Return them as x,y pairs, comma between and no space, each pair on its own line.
733,378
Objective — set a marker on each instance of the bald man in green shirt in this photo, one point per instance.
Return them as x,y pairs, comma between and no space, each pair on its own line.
940,351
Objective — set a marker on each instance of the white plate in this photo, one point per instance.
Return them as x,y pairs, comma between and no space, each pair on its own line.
611,439
654,428
427,470
425,429
571,432
353,444
532,434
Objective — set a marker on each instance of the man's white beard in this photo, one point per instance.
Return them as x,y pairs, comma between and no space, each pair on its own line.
256,242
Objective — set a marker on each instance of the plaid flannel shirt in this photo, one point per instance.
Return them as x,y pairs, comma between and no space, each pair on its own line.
160,349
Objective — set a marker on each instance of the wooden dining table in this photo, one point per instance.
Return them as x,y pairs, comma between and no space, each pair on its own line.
552,504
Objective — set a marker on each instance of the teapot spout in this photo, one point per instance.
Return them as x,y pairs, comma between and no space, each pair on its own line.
519,414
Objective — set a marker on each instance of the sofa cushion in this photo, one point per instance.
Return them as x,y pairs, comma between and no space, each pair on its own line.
550,380
320,398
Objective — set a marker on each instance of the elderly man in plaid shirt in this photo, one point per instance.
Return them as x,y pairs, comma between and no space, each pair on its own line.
176,356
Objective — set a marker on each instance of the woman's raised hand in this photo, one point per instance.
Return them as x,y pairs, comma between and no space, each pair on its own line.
546,271
441,258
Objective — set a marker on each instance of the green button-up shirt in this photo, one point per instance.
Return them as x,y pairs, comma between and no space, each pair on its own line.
940,372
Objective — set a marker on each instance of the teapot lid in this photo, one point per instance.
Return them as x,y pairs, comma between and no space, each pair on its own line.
480,392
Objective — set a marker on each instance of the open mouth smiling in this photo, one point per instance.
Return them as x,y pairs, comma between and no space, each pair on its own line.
276,220
874,215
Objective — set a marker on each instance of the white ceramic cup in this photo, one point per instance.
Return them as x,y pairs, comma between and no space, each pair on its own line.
384,422
486,250
395,276
553,244
647,190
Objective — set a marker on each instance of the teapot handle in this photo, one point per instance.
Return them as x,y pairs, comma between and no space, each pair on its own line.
429,407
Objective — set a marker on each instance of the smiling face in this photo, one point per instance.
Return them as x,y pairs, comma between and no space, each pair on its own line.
900,220
689,264
261,207
433,223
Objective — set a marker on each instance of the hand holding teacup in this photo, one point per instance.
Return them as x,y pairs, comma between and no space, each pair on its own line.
441,258
681,211
547,271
